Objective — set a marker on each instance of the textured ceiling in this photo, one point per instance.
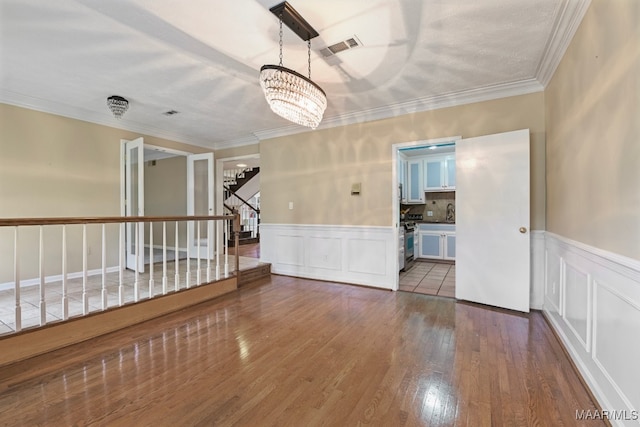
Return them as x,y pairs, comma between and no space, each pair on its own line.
202,58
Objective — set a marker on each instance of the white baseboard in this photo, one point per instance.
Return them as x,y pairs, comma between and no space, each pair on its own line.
592,300
56,278
351,254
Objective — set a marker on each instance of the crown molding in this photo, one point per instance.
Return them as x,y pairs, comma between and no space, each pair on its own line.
58,109
567,22
486,93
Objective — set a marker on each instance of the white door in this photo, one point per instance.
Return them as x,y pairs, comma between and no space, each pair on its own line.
134,202
492,220
200,202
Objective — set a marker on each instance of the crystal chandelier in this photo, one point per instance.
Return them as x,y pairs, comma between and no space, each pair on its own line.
290,94
118,105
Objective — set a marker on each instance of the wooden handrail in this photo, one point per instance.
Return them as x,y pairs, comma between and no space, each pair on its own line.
13,222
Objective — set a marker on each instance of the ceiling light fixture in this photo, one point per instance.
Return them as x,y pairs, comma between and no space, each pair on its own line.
290,94
118,105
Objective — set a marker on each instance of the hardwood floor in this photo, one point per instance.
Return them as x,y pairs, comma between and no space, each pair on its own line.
251,250
289,351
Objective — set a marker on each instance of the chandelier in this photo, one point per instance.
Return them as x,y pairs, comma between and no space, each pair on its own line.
118,105
290,94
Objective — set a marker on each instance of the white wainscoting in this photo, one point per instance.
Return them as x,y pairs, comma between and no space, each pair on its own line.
592,299
351,254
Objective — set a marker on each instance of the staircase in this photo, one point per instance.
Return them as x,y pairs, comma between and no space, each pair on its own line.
241,195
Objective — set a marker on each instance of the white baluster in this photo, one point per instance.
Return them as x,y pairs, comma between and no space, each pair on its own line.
65,290
16,280
122,263
177,275
209,233
151,281
198,280
189,230
218,238
226,250
136,283
85,295
43,304
105,299
164,257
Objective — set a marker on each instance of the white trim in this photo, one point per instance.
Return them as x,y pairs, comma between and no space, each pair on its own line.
567,22
105,119
487,93
56,278
618,263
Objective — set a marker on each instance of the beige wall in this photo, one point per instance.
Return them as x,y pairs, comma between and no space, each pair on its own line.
244,150
593,132
315,170
52,166
165,194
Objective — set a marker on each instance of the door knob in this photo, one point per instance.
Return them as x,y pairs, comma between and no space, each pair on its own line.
523,230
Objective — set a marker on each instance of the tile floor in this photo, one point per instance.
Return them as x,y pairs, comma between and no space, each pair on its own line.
30,295
430,278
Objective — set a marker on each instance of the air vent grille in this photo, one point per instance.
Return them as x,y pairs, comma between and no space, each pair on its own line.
341,46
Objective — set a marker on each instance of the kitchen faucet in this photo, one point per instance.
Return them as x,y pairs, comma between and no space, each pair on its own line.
451,213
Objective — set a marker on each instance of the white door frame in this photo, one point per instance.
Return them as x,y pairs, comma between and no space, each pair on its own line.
125,208
395,218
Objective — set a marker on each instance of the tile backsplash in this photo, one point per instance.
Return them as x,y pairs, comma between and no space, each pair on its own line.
436,202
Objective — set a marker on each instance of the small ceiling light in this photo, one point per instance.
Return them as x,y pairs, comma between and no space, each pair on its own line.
241,165
118,105
290,94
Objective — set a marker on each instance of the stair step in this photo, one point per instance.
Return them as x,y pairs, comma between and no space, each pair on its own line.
255,273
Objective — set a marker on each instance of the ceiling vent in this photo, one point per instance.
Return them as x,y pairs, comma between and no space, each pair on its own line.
349,43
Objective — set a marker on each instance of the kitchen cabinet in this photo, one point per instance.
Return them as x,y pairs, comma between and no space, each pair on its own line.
402,177
415,193
437,241
439,173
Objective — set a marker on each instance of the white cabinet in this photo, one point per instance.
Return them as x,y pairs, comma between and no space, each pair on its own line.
437,241
402,177
440,173
415,193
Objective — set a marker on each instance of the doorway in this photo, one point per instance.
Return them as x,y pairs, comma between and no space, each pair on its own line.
426,200
158,181
491,236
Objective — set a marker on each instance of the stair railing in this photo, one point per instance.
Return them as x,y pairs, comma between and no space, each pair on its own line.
46,291
248,223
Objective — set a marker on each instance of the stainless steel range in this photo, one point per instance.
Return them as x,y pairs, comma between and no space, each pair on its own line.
409,228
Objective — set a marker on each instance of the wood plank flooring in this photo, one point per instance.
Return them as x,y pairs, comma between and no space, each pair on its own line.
288,351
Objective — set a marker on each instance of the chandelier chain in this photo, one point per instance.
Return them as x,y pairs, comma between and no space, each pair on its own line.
281,39
309,50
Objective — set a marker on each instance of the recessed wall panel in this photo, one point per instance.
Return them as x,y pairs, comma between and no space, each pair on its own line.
576,306
325,252
290,250
617,347
552,287
367,256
